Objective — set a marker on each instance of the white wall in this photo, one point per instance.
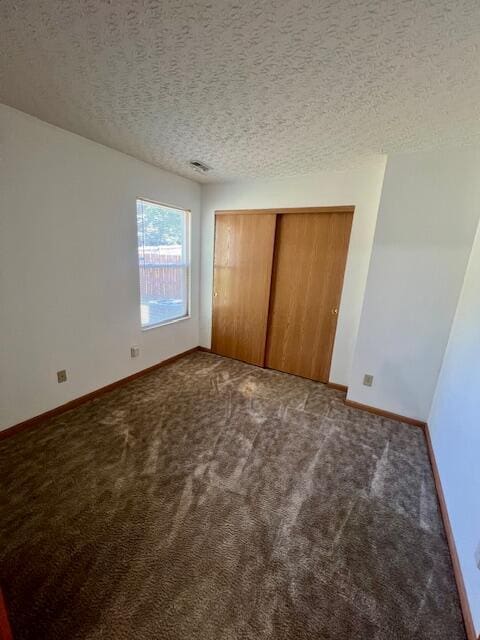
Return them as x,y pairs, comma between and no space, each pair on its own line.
428,214
69,290
360,186
455,430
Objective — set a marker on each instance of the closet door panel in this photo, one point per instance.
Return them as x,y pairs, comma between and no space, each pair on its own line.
244,245
310,257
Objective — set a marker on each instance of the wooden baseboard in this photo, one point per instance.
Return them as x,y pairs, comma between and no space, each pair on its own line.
467,614
204,349
36,420
338,387
385,414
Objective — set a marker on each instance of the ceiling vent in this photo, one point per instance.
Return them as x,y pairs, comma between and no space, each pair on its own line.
199,166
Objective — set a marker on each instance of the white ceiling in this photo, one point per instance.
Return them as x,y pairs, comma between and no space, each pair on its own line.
251,87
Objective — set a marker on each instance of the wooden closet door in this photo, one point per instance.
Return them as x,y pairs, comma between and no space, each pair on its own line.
243,260
310,256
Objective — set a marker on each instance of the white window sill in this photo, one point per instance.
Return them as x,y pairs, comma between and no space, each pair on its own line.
163,324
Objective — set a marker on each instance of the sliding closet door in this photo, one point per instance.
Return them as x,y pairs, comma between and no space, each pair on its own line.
310,256
242,276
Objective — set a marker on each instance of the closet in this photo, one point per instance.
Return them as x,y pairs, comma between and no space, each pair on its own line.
278,277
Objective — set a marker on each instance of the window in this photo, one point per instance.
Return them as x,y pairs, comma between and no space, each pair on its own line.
163,261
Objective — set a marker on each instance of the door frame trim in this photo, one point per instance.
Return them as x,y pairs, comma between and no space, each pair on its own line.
349,208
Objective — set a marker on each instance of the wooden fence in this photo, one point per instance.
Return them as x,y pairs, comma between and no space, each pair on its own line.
163,281
162,272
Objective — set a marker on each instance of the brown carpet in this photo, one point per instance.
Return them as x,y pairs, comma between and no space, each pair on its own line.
213,500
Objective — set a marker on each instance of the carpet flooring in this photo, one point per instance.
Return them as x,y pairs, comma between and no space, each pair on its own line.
213,500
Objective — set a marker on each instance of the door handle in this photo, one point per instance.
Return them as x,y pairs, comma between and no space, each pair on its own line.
335,312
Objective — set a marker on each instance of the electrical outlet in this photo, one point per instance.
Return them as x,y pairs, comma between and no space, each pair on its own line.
134,351
61,376
368,380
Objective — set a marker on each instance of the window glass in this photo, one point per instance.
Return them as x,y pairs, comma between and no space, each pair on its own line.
163,262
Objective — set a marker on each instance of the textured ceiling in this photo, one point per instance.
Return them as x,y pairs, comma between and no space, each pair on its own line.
251,87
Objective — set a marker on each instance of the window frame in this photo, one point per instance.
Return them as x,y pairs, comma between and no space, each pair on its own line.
188,261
